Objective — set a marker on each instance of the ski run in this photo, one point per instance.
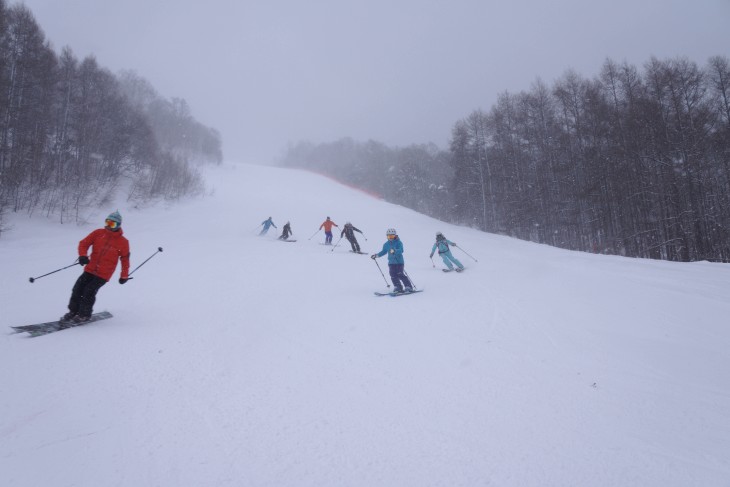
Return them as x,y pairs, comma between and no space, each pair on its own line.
232,360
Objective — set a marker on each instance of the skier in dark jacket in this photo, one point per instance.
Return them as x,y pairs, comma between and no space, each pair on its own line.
348,231
108,246
396,265
285,232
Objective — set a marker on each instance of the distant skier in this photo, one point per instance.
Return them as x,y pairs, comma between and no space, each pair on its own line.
286,231
396,265
267,224
108,246
327,225
348,231
442,244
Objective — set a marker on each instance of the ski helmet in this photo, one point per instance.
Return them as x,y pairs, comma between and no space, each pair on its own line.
439,235
391,231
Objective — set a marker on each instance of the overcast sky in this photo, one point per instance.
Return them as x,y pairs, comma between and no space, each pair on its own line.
270,72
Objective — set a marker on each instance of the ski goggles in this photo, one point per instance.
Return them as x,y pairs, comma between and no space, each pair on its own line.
111,224
391,237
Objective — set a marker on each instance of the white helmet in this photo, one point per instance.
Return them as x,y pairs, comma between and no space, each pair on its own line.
391,231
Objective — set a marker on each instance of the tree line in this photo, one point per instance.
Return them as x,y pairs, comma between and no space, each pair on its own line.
72,134
631,162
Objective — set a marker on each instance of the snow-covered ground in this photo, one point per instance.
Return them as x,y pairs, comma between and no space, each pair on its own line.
238,360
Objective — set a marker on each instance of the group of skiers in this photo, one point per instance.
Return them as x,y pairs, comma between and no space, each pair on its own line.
109,246
348,232
393,247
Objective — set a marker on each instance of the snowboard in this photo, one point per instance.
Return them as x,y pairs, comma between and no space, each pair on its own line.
395,295
39,329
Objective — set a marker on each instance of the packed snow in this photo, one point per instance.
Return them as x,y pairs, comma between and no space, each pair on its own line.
234,359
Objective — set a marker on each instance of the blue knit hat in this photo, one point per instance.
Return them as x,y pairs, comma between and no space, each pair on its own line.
115,217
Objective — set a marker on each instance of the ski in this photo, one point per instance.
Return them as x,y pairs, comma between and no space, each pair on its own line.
282,240
456,269
447,270
361,253
395,295
39,329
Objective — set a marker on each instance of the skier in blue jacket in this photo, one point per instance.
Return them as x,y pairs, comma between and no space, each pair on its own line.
396,265
442,244
267,224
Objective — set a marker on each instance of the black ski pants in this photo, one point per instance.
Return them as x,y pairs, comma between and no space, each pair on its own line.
354,244
84,292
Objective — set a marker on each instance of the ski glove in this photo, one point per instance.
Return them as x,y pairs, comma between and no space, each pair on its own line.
122,280
374,256
83,260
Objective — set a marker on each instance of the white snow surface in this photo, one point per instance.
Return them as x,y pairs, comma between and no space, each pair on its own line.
238,360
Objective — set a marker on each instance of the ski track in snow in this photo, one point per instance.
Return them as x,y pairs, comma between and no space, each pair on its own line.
233,360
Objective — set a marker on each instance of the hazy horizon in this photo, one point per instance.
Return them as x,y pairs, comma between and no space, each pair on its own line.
277,73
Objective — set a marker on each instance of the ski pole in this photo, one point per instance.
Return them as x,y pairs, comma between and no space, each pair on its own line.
32,279
381,273
409,278
159,249
467,253
338,243
432,262
315,233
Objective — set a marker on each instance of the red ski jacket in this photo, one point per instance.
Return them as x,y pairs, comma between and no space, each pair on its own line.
108,247
328,224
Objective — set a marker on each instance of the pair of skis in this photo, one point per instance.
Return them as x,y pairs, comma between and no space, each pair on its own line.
40,329
396,294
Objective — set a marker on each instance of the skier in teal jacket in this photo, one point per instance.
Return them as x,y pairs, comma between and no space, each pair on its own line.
442,244
267,224
396,265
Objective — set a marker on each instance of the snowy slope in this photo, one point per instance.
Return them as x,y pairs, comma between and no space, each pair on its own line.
237,360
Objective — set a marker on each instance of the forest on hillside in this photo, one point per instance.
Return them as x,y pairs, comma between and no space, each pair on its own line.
72,134
633,162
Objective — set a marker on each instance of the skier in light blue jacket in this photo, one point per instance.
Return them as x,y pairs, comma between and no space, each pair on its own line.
442,244
396,265
267,224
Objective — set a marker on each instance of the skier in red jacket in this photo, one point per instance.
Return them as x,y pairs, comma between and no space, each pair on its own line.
328,224
108,246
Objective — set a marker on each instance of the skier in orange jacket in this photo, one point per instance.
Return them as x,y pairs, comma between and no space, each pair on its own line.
108,247
327,225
